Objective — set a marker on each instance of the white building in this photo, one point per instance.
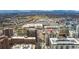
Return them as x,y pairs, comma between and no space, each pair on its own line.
64,43
32,25
72,34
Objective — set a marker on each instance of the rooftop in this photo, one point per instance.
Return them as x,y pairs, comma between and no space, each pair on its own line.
64,41
32,25
22,37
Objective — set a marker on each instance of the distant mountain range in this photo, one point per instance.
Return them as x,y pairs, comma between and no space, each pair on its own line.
29,12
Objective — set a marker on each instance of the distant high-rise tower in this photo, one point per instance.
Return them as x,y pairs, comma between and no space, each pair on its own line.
77,31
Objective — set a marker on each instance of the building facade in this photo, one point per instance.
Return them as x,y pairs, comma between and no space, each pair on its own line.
64,43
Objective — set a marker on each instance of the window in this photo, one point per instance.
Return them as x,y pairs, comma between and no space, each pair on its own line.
56,47
73,46
67,47
61,47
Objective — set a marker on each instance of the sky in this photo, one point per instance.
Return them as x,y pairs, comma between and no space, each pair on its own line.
39,5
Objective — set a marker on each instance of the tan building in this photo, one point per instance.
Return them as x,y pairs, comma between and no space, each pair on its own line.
4,43
7,43
8,32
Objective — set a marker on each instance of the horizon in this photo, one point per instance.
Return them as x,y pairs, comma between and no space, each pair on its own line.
40,11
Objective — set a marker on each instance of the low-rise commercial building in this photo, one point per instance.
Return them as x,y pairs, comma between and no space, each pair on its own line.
21,40
64,43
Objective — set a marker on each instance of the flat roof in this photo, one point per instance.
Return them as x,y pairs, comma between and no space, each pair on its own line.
64,41
22,37
51,26
32,25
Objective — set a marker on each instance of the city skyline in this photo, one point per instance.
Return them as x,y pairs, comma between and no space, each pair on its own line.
53,11
39,29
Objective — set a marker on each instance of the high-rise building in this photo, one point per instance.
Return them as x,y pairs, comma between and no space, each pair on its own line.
64,31
8,32
77,31
4,43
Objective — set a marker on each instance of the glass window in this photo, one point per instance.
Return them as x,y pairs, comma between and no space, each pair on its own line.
73,46
56,47
61,47
67,47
